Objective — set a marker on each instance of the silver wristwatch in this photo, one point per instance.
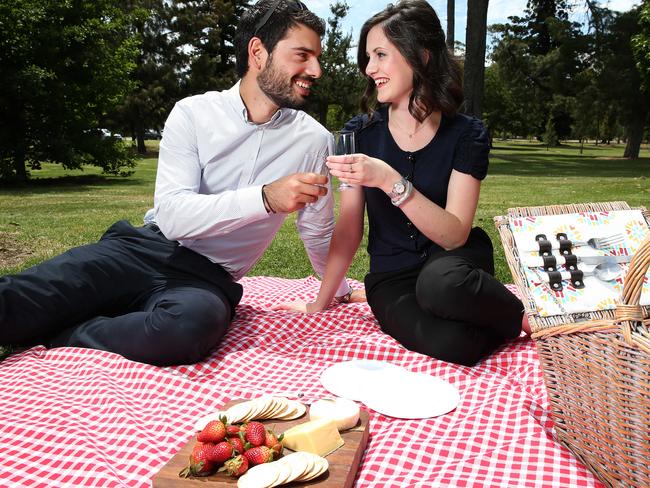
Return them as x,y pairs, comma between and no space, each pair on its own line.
400,192
399,188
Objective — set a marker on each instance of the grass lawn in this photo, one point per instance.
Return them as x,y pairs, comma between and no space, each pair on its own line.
60,209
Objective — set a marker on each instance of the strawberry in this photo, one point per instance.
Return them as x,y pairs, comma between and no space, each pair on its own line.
273,442
255,433
233,430
259,455
214,432
200,463
221,452
237,444
237,466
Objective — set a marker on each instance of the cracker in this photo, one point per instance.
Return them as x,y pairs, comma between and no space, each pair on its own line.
238,412
303,463
320,466
203,421
295,410
260,476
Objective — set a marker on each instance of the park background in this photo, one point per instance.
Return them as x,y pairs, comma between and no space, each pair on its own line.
87,86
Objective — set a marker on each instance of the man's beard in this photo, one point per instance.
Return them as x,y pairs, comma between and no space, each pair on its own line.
272,81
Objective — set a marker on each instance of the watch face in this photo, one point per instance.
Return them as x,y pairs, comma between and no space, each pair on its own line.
398,188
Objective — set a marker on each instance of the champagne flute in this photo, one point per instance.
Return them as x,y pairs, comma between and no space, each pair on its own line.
342,142
319,167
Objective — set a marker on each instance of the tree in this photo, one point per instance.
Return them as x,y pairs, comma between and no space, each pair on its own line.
474,66
622,82
155,78
641,45
451,24
550,136
204,32
542,52
336,94
65,65
504,113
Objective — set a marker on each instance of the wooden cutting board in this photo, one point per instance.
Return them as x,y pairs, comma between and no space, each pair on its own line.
343,463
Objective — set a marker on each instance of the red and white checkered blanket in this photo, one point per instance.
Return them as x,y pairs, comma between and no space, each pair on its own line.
79,417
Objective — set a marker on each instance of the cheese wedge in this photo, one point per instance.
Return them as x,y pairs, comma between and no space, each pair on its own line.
344,413
319,437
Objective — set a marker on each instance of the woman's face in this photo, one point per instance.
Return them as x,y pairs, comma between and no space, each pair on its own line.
391,72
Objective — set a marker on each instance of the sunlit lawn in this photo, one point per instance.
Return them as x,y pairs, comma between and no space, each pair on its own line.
60,209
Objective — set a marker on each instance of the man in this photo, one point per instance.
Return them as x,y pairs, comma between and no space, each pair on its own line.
232,165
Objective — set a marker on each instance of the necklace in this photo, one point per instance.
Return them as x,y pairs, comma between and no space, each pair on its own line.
410,134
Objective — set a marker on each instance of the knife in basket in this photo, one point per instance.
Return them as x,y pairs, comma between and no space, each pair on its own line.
536,262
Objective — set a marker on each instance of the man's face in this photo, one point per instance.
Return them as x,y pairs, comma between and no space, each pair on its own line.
292,68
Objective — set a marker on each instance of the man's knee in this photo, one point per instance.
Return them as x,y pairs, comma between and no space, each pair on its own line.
188,330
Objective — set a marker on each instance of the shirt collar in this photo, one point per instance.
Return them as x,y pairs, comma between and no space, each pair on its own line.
239,106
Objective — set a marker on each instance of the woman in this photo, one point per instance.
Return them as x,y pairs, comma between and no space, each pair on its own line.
418,171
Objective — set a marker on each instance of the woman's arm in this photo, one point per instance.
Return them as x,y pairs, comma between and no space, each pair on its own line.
344,244
448,227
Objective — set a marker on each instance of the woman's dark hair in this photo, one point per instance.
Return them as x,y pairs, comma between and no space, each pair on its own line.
270,20
414,28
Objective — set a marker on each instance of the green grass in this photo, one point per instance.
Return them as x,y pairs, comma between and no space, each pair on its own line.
60,209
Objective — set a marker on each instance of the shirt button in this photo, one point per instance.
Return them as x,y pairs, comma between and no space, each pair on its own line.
409,224
412,236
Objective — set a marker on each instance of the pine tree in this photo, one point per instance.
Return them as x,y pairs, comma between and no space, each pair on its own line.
204,32
337,92
155,77
542,53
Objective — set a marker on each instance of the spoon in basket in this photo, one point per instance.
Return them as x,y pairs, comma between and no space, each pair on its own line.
606,271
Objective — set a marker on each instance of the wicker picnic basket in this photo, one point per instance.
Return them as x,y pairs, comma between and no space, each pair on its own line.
596,365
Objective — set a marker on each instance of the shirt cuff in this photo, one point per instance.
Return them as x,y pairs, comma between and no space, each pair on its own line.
250,201
343,289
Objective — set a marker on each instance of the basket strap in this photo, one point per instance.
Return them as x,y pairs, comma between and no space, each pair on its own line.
629,313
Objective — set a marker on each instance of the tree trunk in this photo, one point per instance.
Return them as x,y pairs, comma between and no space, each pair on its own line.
19,166
634,138
474,77
142,149
451,24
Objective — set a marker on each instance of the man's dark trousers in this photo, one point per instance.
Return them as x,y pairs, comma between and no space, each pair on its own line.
134,293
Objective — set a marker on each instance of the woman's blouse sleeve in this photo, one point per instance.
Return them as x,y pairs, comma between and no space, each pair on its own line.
472,149
355,123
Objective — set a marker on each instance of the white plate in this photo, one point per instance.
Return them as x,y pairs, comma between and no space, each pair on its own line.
391,390
350,379
412,396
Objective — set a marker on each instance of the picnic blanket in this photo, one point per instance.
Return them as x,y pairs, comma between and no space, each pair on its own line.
79,417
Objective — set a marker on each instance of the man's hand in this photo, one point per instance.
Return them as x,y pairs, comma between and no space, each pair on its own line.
293,192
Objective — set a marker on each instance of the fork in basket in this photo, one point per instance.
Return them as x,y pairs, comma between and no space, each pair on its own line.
598,242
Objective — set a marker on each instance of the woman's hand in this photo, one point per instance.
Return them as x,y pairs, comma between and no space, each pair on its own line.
301,306
297,306
359,169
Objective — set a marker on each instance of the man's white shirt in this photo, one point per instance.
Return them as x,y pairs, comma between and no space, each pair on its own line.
212,164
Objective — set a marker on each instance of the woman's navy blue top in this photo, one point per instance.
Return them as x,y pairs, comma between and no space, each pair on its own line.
461,143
